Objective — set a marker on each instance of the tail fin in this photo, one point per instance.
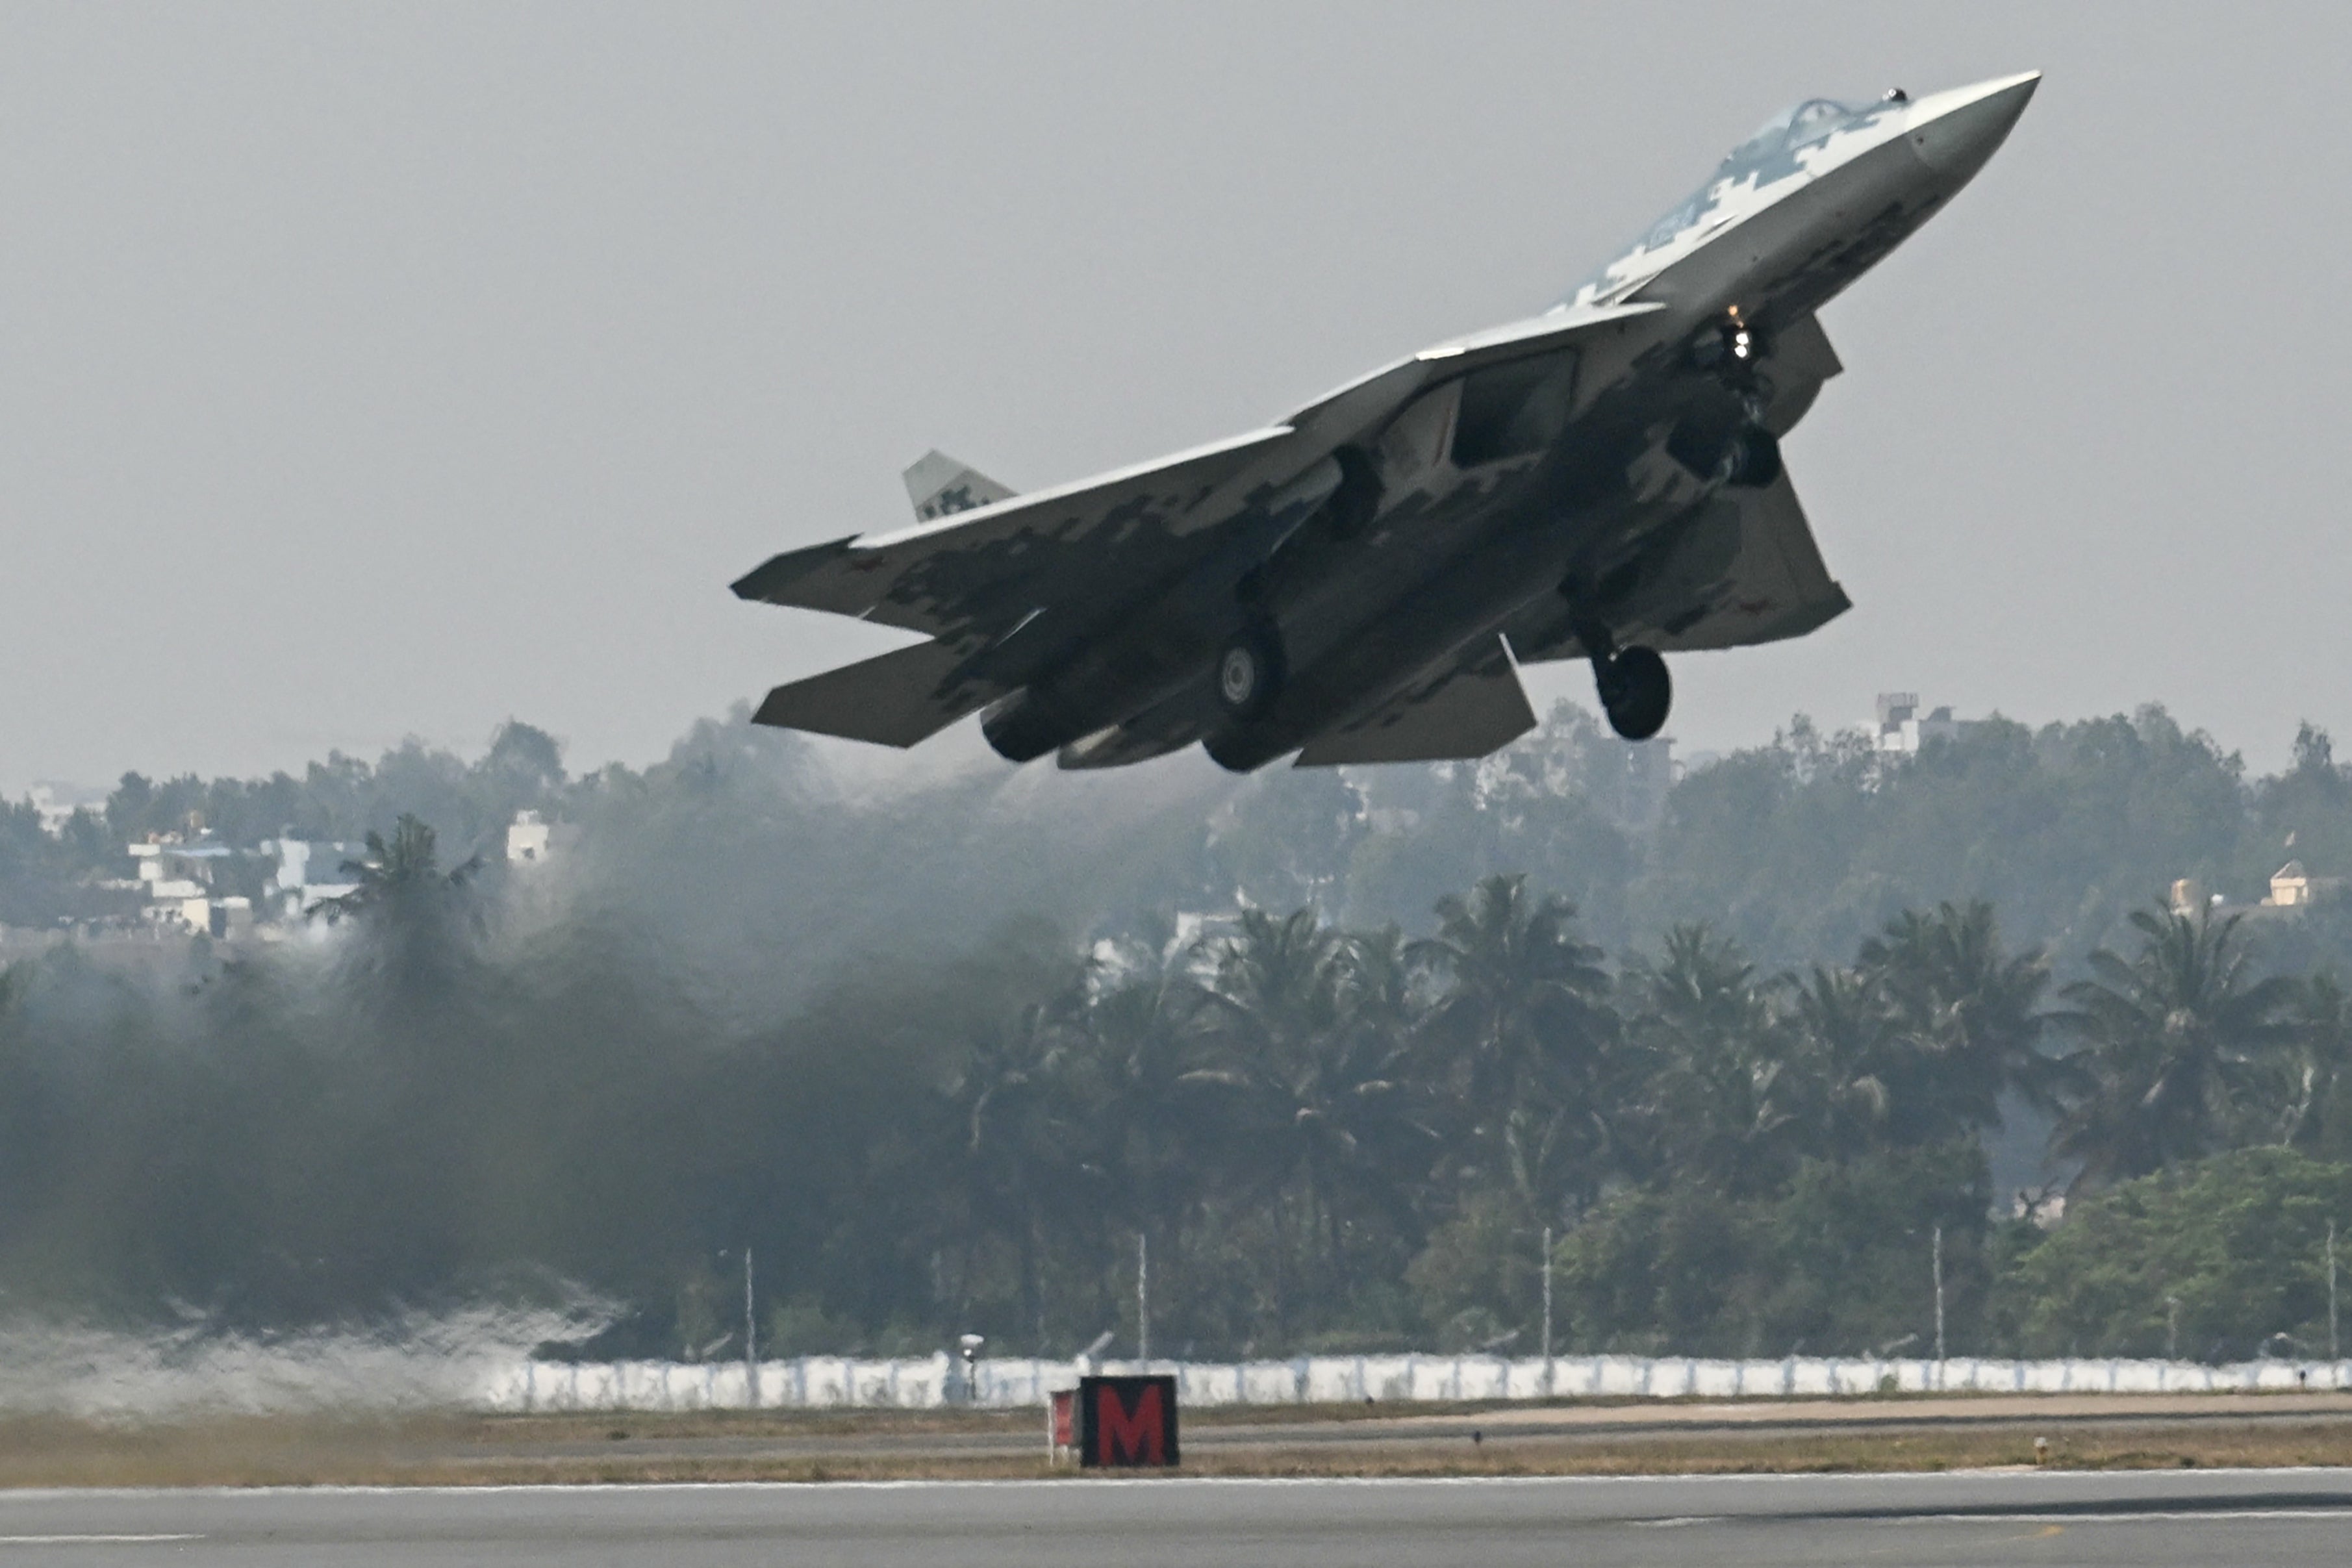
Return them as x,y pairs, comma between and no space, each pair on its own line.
938,485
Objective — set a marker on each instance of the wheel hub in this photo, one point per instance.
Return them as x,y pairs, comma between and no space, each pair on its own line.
1237,676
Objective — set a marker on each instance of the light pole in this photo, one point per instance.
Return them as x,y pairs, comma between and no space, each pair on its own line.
1546,1309
1142,1297
751,1340
1938,1255
2172,1328
2334,1351
969,1345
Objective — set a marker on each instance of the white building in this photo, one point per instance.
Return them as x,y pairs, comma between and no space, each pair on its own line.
1901,727
57,803
309,869
186,883
2292,887
532,839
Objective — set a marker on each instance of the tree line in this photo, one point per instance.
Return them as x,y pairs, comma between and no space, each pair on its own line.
751,842
1334,1137
1329,1135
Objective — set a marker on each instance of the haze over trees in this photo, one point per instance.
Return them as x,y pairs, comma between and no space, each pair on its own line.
1342,1046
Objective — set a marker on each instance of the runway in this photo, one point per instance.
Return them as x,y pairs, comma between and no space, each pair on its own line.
2256,1519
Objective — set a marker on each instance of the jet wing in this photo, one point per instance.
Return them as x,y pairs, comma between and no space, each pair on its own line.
992,564
1363,405
1465,710
973,576
1102,539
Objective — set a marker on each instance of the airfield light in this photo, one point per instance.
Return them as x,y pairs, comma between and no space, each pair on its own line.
969,1344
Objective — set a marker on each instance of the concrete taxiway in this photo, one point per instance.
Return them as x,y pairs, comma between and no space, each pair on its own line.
2254,1517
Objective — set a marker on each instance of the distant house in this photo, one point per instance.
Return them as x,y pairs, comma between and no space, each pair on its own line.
309,869
57,803
189,882
2294,888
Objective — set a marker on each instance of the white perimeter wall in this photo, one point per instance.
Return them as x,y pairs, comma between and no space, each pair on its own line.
818,1382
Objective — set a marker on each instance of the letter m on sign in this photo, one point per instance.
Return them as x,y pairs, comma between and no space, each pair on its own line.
1126,1421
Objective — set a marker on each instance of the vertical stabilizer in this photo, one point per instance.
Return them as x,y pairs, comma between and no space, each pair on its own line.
938,485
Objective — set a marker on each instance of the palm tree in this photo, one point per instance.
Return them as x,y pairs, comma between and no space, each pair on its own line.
2170,1040
1842,1021
412,916
401,870
2321,1020
1966,1016
1278,982
1523,1019
1724,1101
1016,1136
1138,1067
1311,1021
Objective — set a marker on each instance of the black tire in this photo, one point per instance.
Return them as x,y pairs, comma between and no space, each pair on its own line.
1636,692
1754,458
1249,672
1226,755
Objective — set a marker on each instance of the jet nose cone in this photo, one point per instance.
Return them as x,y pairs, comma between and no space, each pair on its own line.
1954,132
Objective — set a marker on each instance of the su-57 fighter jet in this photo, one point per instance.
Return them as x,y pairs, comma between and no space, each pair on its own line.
1359,582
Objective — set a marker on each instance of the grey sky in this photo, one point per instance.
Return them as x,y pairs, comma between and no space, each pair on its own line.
368,370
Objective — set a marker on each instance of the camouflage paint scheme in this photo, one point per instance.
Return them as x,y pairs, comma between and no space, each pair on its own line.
1599,478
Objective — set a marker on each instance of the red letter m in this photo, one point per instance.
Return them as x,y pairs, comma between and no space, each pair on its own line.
1129,1437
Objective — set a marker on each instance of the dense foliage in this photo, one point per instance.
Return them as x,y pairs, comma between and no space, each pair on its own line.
1339,1048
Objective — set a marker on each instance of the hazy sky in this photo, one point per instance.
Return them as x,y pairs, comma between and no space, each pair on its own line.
369,371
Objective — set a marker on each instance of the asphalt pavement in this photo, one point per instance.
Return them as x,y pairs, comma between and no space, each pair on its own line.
2252,1518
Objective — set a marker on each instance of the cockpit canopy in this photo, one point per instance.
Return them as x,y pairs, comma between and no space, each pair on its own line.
1793,127
1765,157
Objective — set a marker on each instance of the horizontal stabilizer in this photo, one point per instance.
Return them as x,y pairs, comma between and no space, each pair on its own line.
938,485
896,699
1467,710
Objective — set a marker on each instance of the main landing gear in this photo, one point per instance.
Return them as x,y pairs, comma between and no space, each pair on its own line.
1250,670
1635,691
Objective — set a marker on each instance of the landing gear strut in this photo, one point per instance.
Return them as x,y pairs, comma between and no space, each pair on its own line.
1635,690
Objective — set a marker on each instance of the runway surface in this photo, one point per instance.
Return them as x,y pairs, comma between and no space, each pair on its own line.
2252,1518
1537,1425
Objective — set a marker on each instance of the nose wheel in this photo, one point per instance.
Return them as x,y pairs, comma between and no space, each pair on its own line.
1635,691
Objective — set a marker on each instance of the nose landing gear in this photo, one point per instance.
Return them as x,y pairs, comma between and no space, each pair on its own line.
1745,456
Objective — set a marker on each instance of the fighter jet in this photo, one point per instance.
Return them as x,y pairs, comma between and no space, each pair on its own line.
1358,580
